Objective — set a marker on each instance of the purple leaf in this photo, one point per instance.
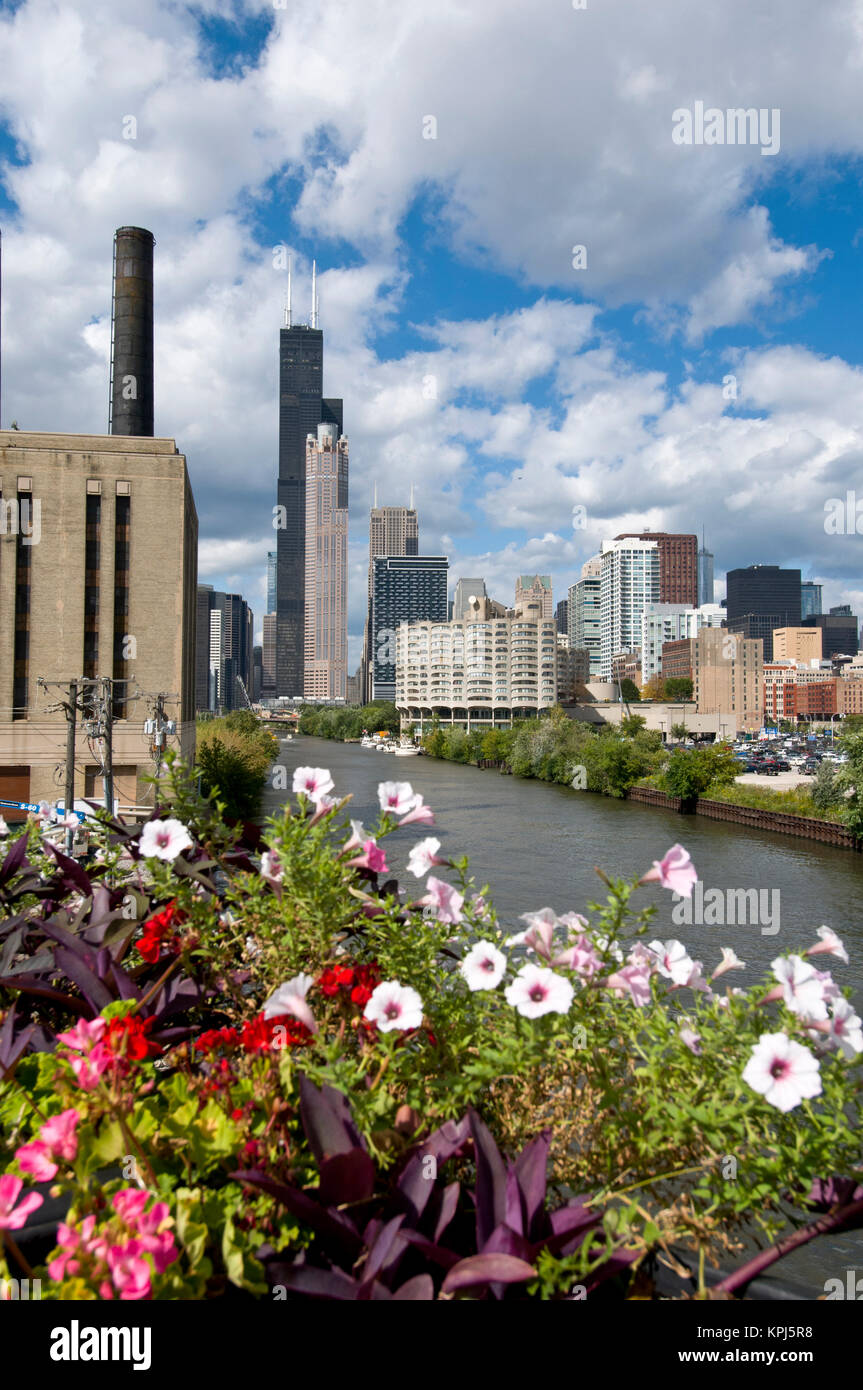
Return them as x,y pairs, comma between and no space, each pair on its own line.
179,993
347,1177
514,1205
71,940
327,1120
418,1289
505,1241
32,985
387,1249
73,875
614,1265
570,1225
487,1269
438,1254
447,1205
314,1283
12,1047
414,1188
92,988
14,860
827,1193
326,1222
530,1170
490,1180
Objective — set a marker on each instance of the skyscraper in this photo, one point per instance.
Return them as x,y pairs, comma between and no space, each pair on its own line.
629,581
326,627
392,531
405,589
678,565
760,599
810,599
224,649
271,581
302,407
583,613
561,615
705,575
535,588
464,590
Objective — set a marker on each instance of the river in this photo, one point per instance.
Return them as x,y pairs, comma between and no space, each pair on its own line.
536,844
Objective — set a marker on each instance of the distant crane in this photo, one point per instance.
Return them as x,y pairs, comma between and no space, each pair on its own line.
241,684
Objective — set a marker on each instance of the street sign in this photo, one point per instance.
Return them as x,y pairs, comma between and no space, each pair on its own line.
20,805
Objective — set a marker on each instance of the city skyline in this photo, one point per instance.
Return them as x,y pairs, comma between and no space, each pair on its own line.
650,389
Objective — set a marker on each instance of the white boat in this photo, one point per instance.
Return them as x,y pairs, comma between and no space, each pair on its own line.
406,750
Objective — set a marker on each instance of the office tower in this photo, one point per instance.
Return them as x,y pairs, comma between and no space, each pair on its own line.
728,675
392,531
797,644
466,589
302,407
110,591
628,582
583,613
839,632
678,565
405,589
561,615
662,623
535,588
810,599
204,606
268,658
257,673
481,671
760,599
225,641
705,576
271,581
326,632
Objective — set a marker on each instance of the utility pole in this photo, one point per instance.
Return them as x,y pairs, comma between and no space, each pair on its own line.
108,765
71,721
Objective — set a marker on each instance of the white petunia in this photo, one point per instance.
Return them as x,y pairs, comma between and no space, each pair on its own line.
290,998
313,782
782,1071
423,856
846,1029
673,961
393,1005
803,987
396,798
536,991
483,967
164,839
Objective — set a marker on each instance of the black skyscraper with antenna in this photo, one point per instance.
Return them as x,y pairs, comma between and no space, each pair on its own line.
302,407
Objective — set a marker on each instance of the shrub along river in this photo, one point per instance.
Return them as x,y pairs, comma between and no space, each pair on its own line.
536,844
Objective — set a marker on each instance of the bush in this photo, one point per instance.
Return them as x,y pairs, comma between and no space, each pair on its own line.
690,772
234,755
328,721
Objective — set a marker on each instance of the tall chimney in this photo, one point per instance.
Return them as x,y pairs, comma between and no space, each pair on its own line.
131,404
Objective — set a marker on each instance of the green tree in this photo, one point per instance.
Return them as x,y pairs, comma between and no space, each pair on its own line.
632,725
630,691
849,779
825,791
679,731
690,771
678,688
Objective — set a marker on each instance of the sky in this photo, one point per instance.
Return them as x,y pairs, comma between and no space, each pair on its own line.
542,308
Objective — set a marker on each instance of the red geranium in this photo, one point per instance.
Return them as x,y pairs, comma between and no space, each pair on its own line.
159,934
368,977
126,1038
260,1035
334,978
214,1038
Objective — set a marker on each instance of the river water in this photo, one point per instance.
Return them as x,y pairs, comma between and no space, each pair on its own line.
536,844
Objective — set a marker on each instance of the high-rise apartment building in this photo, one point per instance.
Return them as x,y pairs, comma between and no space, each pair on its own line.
326,632
671,622
98,578
465,590
810,599
629,581
405,589
224,644
583,613
535,588
839,632
705,576
485,669
392,531
727,673
761,598
561,615
302,407
678,565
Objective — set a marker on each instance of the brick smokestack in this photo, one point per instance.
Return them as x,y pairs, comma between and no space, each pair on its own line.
132,333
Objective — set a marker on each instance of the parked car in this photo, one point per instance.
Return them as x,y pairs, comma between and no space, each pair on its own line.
809,767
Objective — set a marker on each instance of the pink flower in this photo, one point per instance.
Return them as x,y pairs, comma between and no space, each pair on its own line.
396,798
313,782
12,1218
357,837
271,868
846,1029
130,1274
730,961
538,934
372,857
581,958
481,908
782,1071
89,1069
84,1035
129,1204
164,839
290,998
633,980
424,856
394,1005
690,1037
446,901
59,1134
672,961
829,944
536,991
35,1159
419,813
803,987
483,967
675,871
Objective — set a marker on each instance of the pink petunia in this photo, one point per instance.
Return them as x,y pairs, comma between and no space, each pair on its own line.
164,839
445,899
633,980
424,856
830,944
371,857
418,813
290,998
675,871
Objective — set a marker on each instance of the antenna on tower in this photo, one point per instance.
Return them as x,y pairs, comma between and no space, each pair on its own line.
288,305
376,496
314,322
412,498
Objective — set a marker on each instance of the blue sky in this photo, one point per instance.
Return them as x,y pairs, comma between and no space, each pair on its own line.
450,258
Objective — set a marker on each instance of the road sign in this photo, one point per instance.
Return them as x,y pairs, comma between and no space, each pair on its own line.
20,805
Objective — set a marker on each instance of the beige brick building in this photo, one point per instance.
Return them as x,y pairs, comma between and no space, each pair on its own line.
797,643
104,585
727,672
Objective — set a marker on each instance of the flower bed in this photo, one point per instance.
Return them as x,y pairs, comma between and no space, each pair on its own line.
266,1069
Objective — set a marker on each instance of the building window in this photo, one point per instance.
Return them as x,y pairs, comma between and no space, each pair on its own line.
92,558
122,548
23,570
